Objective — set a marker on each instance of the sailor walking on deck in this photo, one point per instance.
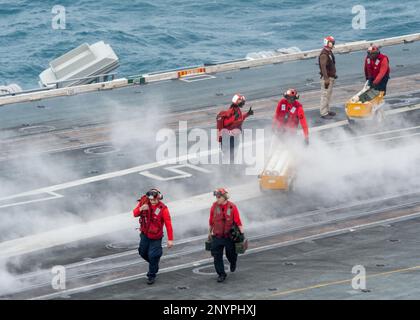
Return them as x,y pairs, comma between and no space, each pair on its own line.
153,215
328,76
224,221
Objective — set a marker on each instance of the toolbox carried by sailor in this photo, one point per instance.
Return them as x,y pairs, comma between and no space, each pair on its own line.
241,247
241,243
208,244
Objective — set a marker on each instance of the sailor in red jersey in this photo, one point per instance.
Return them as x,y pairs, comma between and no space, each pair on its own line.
224,215
377,69
230,122
289,113
153,215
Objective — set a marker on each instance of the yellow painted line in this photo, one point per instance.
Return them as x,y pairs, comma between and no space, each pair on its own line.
327,284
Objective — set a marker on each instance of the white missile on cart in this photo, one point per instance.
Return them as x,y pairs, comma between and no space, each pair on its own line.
278,173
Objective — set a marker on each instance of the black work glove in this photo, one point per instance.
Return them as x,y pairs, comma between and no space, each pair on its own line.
370,82
375,86
250,111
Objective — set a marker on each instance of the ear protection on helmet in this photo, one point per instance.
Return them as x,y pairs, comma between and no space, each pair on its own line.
154,194
288,96
328,40
373,50
238,100
291,93
221,192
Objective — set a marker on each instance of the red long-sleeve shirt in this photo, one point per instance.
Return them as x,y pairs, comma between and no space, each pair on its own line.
235,119
372,70
295,115
166,217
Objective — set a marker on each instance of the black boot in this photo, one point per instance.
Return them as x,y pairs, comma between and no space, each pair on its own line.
327,117
232,267
221,278
151,281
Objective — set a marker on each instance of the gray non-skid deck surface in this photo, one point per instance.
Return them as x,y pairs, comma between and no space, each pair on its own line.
91,199
310,270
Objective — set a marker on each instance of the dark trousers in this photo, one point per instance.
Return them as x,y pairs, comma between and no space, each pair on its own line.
230,144
217,246
151,251
232,149
381,86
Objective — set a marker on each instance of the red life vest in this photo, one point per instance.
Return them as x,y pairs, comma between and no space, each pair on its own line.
235,118
374,66
223,220
230,120
151,221
287,114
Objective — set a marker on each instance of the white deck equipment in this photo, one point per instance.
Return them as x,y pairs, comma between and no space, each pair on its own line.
10,89
80,66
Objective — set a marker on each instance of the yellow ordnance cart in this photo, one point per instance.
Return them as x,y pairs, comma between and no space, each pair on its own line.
278,173
365,105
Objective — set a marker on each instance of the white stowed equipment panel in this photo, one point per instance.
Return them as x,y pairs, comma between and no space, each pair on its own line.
81,62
